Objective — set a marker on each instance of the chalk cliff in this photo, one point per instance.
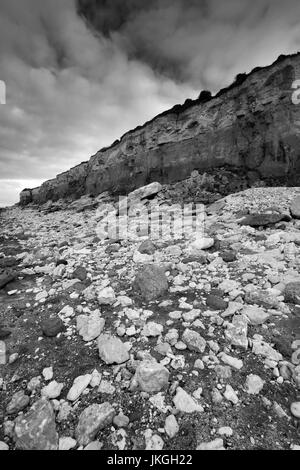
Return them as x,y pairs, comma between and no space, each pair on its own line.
252,124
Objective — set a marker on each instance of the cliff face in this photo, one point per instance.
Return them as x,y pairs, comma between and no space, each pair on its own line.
253,124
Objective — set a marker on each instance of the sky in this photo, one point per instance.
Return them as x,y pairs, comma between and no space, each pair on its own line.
80,73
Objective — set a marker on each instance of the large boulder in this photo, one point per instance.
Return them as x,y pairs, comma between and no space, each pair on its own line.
151,282
92,420
36,430
151,376
112,350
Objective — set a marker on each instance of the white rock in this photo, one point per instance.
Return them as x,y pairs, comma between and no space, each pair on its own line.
231,361
112,350
78,387
152,329
217,444
52,390
95,379
185,402
48,373
231,395
3,446
67,312
90,326
295,409
106,296
254,384
66,443
171,426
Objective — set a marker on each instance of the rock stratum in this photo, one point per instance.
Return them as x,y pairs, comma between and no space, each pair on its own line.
253,124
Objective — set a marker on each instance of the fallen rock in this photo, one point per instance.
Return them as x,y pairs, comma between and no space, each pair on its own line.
216,303
194,341
151,377
92,420
106,296
52,390
151,282
217,444
295,409
18,402
237,331
257,316
147,248
90,326
112,350
78,387
263,220
36,430
185,402
254,384
171,426
52,327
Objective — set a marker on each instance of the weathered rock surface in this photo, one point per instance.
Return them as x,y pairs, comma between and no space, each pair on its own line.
36,430
92,420
255,128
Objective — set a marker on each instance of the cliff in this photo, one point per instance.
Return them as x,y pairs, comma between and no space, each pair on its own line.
252,124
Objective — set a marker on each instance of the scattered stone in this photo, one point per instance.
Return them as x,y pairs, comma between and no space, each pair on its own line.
151,282
78,387
90,326
92,420
194,341
147,248
36,430
185,403
217,444
66,443
216,303
152,329
295,409
257,316
121,421
171,426
18,402
52,390
231,395
106,296
237,331
254,384
112,350
151,377
52,327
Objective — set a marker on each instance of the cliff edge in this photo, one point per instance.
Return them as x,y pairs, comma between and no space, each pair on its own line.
252,124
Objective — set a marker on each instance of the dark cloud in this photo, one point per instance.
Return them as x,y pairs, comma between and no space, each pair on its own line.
201,42
75,82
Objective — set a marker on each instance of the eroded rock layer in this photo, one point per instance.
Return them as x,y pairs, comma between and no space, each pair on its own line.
252,124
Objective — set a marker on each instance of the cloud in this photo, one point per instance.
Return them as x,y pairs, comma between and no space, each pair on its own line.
75,83
69,93
200,42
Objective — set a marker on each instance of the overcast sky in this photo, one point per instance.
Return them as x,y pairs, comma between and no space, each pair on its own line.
79,76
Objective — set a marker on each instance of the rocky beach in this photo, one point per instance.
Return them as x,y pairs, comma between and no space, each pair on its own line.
189,341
